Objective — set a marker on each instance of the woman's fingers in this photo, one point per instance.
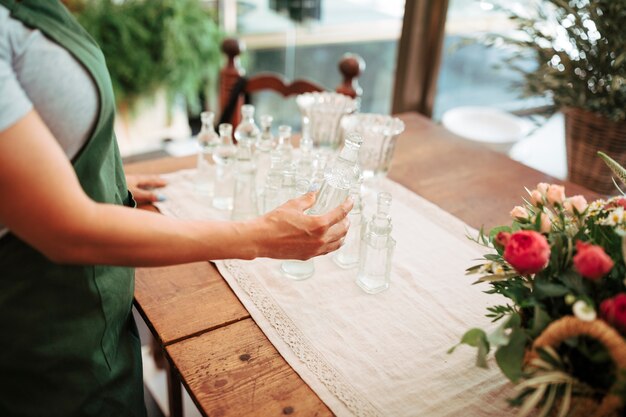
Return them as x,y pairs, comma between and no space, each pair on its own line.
143,196
338,213
151,181
304,202
338,231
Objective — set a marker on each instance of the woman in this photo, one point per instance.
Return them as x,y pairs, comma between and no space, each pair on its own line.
68,235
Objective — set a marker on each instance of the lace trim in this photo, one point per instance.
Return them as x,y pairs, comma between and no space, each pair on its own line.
334,381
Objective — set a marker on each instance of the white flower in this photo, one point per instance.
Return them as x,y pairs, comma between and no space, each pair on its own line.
497,269
584,311
485,268
615,217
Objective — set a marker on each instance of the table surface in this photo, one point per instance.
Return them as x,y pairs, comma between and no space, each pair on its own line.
226,363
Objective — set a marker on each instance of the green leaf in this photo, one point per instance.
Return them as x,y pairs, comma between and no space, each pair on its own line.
545,289
511,356
617,169
541,319
574,282
476,338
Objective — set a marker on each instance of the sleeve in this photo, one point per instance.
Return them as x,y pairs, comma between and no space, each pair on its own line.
14,103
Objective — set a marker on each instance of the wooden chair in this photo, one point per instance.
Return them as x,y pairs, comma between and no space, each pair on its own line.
235,88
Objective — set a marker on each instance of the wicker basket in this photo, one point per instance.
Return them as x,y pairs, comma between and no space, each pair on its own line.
570,326
587,133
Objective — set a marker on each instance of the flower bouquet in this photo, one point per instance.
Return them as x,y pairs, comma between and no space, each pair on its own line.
561,325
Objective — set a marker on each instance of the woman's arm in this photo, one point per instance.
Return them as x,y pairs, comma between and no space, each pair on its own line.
42,202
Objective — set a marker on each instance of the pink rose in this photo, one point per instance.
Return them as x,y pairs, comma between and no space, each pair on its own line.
613,310
542,187
519,212
555,194
577,202
527,251
591,261
536,198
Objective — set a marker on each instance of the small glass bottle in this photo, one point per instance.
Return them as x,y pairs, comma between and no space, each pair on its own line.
224,157
284,146
270,197
319,168
305,162
347,256
264,146
288,188
377,248
338,180
247,132
245,204
208,141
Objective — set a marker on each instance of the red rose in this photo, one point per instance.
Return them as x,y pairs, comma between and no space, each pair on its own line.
591,261
503,238
527,251
613,310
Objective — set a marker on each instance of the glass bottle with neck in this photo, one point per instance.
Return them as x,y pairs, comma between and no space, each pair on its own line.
347,256
288,188
339,178
377,248
284,146
224,157
270,197
245,204
208,141
264,146
305,161
247,131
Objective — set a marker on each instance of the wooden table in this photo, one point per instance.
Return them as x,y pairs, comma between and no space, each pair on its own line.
226,363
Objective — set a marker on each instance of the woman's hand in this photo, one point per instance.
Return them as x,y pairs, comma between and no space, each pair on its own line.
288,233
141,187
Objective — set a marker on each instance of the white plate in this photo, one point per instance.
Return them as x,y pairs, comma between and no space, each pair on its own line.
492,127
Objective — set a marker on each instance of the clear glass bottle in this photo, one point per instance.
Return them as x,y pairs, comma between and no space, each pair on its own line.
288,188
208,141
319,168
284,145
377,248
224,157
270,197
264,147
247,132
338,180
245,204
347,256
304,171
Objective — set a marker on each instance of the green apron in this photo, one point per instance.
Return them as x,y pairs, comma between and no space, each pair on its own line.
68,343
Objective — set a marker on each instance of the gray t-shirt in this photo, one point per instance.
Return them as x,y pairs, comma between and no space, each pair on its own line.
37,73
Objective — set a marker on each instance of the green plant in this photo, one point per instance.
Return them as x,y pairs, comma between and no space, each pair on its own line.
579,47
153,44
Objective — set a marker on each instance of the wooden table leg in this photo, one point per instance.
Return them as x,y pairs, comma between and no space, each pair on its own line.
174,392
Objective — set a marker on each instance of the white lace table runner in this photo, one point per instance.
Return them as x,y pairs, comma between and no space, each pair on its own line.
374,355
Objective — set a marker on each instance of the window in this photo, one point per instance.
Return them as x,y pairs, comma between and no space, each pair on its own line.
306,39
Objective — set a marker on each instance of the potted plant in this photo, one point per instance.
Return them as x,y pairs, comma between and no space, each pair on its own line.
157,52
580,54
